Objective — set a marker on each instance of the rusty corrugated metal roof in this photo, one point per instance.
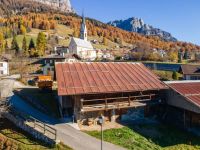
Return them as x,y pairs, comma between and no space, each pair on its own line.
90,78
190,90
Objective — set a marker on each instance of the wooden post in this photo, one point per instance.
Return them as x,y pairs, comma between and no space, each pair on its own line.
106,104
44,128
55,135
129,100
184,117
34,124
82,103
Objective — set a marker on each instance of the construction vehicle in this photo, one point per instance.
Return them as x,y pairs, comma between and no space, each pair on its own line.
45,82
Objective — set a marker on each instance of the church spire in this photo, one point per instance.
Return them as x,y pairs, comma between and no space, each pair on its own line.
83,34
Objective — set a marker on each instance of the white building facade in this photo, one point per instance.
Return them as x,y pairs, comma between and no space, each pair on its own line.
81,46
83,49
4,68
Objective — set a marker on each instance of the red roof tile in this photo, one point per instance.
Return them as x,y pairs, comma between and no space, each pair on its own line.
90,78
190,90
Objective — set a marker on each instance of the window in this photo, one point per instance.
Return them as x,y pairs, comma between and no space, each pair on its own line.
1,64
195,77
1,72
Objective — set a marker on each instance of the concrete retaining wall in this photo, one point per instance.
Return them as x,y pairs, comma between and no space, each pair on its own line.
36,134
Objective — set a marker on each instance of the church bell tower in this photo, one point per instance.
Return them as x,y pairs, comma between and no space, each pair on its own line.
83,33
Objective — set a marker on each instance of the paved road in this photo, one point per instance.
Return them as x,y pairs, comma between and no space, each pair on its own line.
65,133
6,87
81,141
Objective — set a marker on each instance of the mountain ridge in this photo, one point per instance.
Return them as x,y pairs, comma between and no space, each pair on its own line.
137,25
15,7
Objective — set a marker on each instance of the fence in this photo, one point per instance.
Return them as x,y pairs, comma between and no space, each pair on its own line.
44,128
37,125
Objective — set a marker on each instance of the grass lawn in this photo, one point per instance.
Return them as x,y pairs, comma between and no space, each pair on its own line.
20,39
12,138
150,137
46,99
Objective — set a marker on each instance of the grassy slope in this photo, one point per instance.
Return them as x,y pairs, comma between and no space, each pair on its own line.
13,138
154,137
64,32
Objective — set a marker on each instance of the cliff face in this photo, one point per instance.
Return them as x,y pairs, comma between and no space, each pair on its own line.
9,7
63,5
138,25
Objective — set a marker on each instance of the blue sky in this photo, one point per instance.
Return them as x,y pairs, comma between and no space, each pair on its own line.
179,17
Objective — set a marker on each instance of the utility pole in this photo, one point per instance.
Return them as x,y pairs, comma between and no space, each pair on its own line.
101,121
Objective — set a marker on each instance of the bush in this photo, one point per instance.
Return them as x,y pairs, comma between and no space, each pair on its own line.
118,58
175,75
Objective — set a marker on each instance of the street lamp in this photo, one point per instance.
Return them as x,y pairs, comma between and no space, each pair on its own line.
101,121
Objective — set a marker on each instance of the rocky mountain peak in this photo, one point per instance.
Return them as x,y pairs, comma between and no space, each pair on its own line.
10,7
138,25
62,5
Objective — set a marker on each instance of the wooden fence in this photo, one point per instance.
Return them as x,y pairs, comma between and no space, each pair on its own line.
41,127
44,128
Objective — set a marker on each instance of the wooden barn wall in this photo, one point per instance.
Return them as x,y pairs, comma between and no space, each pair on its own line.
177,100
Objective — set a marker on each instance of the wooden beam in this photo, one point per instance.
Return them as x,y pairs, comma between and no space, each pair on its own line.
92,109
129,100
114,98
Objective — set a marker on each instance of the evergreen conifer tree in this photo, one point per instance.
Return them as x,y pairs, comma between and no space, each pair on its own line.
41,44
24,47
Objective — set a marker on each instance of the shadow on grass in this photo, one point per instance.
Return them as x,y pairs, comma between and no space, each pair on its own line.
164,135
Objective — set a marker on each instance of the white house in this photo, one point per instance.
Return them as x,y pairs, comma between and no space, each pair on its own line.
48,63
61,50
4,68
81,46
190,71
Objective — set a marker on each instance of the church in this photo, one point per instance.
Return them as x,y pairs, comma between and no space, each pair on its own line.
81,46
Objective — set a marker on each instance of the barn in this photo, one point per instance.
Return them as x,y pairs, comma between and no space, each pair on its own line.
184,99
88,90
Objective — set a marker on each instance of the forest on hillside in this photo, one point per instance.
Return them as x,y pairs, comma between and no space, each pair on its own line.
20,24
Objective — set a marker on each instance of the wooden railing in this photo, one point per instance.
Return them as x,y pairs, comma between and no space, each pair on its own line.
44,128
115,102
36,124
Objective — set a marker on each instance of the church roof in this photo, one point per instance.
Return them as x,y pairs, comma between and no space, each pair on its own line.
82,43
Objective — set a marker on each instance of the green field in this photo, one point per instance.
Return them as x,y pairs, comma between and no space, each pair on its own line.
150,137
12,138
